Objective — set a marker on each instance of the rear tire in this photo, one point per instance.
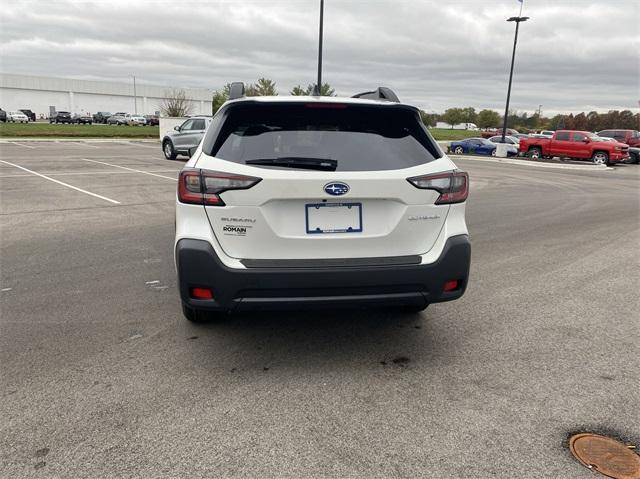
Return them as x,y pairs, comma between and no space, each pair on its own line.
458,150
197,315
535,153
600,158
168,150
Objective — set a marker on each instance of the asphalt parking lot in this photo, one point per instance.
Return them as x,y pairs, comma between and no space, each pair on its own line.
102,377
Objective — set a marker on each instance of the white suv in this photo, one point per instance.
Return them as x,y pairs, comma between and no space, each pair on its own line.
135,120
319,201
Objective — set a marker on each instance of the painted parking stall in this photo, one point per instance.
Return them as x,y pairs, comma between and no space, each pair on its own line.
97,359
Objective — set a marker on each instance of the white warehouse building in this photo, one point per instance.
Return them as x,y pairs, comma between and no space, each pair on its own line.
42,94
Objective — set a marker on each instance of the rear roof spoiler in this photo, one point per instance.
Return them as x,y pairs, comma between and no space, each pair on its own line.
381,93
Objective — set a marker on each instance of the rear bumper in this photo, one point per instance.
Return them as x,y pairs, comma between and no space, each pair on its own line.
277,288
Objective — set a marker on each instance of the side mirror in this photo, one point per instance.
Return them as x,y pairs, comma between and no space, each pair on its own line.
587,140
177,127
192,151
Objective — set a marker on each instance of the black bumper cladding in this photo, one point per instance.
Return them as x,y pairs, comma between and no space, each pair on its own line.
330,286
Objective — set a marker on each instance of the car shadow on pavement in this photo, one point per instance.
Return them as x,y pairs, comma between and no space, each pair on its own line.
325,339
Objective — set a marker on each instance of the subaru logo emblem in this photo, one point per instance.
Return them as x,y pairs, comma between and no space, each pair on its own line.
336,189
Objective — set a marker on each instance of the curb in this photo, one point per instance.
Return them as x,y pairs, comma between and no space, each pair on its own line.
533,163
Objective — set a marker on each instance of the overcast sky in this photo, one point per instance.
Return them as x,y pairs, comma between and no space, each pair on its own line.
572,55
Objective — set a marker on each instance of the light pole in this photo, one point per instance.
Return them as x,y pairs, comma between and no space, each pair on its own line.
318,88
513,57
135,97
538,122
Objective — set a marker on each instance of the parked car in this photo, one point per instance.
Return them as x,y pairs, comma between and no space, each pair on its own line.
511,140
60,117
184,137
478,146
152,120
634,155
31,115
629,137
319,201
497,131
546,133
82,119
520,135
101,117
575,145
135,120
3,116
17,116
117,119
512,150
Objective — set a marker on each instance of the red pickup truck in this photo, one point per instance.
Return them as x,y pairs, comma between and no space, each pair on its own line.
577,145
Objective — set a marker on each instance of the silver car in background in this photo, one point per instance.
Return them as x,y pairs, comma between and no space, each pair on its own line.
17,116
184,137
135,119
117,119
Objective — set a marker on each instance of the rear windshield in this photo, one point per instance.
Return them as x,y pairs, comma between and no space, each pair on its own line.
358,137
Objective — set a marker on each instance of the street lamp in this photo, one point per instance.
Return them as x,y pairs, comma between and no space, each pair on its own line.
513,57
135,97
318,88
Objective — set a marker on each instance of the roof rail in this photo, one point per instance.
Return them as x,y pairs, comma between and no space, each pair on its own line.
381,93
236,91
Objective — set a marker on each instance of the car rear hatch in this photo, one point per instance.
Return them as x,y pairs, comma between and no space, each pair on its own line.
323,181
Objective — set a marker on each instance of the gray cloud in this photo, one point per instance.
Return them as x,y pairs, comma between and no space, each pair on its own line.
572,55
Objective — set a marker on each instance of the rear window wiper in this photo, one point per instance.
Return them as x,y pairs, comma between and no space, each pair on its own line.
322,164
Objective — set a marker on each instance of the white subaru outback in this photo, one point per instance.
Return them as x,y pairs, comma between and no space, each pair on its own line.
319,201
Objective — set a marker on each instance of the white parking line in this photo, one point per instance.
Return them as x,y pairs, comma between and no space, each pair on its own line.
130,169
83,173
61,183
534,163
20,144
130,143
84,144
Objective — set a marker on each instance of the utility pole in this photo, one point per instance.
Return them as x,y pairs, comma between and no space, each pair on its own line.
318,89
135,97
513,57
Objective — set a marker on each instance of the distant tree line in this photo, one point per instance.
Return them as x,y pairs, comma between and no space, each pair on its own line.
266,87
592,121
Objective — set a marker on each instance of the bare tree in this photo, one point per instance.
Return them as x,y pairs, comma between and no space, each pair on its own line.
175,103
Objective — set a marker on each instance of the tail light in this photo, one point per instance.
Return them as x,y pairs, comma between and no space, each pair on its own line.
451,285
201,293
453,187
203,187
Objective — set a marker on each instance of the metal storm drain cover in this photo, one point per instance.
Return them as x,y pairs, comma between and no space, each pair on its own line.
605,455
